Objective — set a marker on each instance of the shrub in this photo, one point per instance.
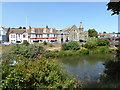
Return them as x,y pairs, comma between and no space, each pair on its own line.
25,42
41,73
72,45
31,51
51,45
91,43
44,43
103,42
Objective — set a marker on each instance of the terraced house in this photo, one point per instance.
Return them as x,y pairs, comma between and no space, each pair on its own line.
49,35
33,35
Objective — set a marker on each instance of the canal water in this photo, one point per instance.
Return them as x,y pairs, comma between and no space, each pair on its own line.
87,68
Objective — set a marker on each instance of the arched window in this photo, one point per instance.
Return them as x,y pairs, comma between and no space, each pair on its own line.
74,35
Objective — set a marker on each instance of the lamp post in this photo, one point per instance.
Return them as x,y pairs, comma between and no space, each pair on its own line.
113,39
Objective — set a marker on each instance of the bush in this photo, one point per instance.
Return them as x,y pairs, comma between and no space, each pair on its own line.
25,42
51,45
102,42
44,43
41,73
72,45
91,43
31,51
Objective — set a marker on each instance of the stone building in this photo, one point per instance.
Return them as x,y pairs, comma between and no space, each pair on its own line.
72,33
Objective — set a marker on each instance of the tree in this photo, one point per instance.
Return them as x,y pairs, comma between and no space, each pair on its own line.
24,27
114,7
103,42
91,43
20,28
92,33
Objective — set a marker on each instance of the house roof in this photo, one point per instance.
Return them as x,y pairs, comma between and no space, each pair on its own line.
4,28
41,30
66,29
37,30
17,31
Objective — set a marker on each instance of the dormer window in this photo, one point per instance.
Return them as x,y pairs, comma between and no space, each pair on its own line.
44,30
33,30
51,30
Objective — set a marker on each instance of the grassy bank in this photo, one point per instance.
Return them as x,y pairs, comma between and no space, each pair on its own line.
98,50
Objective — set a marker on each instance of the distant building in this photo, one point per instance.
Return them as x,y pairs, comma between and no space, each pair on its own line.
47,34
113,37
73,33
33,35
18,35
3,34
43,34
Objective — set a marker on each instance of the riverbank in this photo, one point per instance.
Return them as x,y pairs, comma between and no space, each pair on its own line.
84,51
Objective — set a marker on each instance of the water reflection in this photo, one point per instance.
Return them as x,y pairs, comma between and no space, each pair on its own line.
85,67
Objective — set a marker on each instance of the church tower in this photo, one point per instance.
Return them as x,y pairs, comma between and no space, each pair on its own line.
81,26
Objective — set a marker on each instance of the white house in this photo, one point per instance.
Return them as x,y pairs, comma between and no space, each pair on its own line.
18,35
3,32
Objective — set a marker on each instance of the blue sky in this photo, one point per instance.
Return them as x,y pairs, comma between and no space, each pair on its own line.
59,15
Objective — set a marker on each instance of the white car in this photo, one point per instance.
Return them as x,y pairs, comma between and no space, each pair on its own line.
6,43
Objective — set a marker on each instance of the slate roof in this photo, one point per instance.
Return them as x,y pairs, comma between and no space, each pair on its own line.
66,29
17,31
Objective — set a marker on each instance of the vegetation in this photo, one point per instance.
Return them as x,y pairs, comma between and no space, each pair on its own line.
72,45
103,42
51,45
91,43
92,33
44,43
114,7
98,50
25,42
31,72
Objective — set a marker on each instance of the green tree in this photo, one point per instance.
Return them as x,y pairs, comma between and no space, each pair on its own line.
20,28
24,27
44,43
103,42
91,43
92,33
71,45
114,7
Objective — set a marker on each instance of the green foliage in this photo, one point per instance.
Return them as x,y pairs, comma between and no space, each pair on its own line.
51,45
92,33
31,51
114,7
44,43
103,42
71,45
91,43
112,71
41,73
25,42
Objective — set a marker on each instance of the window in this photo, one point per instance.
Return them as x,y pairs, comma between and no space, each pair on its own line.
12,36
24,36
51,30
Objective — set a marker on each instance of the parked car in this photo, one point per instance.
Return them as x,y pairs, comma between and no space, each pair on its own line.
6,43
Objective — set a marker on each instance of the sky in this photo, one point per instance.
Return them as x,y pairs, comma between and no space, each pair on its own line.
59,15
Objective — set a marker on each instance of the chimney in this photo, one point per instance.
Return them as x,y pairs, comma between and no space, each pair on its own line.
46,26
